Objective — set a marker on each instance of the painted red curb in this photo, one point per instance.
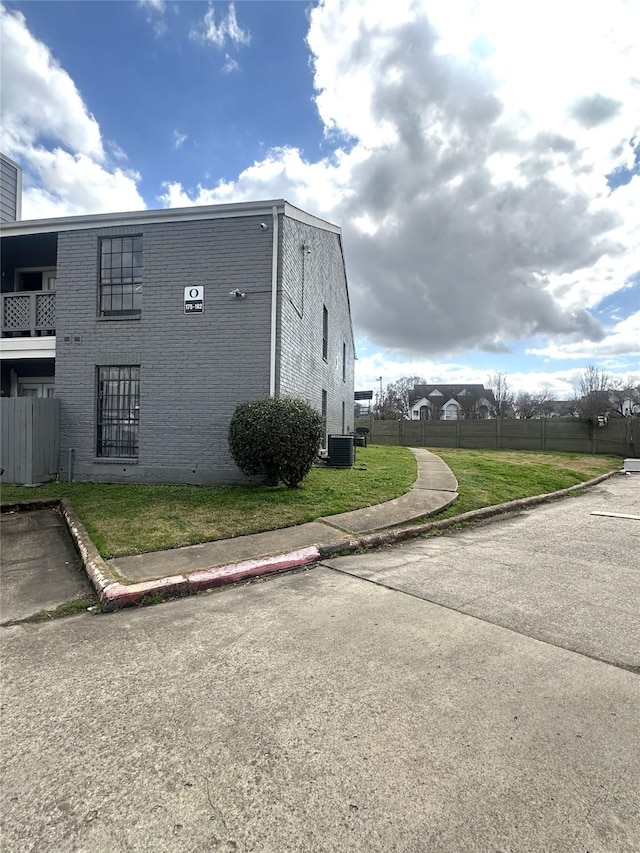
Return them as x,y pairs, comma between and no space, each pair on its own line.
251,568
124,595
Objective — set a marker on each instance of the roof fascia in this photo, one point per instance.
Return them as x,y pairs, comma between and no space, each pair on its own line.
143,217
309,219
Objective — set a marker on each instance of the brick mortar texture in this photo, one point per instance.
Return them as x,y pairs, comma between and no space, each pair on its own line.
313,277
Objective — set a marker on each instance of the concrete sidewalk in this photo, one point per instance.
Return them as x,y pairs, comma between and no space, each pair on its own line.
435,488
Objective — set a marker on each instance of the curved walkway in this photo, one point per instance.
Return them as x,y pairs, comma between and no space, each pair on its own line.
434,489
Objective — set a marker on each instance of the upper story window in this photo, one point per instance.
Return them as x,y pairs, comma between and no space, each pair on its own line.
344,362
325,333
120,275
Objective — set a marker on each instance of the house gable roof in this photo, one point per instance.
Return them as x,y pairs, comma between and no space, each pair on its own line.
452,392
421,402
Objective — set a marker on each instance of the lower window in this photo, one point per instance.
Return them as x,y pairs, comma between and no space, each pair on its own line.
118,411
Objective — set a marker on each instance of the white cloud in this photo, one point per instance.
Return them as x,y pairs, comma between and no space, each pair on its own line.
39,98
471,186
226,31
320,186
229,64
155,13
80,186
623,340
116,151
41,104
179,138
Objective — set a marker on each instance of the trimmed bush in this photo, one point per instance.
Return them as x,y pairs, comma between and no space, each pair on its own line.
278,438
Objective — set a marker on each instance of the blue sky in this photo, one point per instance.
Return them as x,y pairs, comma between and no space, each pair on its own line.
482,160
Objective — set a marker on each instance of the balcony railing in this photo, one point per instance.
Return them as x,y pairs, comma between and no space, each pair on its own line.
28,313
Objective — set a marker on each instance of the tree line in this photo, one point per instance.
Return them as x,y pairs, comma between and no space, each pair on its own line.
597,396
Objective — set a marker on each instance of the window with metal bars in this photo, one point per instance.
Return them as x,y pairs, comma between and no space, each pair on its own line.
120,275
118,411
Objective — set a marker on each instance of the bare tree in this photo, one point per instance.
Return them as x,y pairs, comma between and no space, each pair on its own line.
502,393
529,405
469,407
625,397
594,400
395,399
434,411
544,403
526,405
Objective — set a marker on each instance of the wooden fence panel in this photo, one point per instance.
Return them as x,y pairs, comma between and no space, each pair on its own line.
478,434
441,434
522,435
29,429
553,434
568,436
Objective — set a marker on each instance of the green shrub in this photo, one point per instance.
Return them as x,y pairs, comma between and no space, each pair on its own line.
278,438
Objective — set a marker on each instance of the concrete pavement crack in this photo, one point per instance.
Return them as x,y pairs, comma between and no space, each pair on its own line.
632,668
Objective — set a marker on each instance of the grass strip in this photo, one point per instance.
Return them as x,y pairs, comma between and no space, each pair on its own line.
131,519
491,477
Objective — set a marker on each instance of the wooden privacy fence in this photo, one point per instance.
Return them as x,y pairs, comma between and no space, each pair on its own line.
621,436
29,435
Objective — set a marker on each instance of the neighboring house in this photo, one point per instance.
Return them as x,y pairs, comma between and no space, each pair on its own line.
601,404
151,327
630,406
450,402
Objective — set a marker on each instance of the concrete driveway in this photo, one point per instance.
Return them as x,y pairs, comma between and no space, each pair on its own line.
40,569
556,572
322,711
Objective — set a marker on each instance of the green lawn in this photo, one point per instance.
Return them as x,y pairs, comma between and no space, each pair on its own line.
130,519
490,477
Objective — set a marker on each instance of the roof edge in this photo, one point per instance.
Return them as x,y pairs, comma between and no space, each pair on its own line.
300,215
166,214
